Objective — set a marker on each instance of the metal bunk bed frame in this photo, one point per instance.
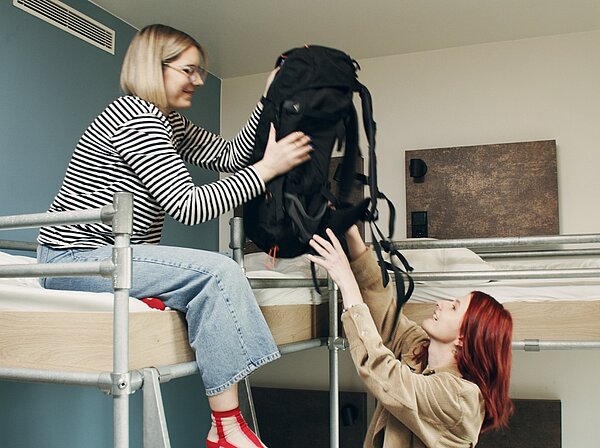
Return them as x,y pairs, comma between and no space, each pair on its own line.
487,249
121,382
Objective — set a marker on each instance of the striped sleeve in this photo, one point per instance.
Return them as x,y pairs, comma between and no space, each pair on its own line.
145,145
200,147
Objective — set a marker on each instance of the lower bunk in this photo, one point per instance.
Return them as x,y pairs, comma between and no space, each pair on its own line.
112,341
551,288
72,331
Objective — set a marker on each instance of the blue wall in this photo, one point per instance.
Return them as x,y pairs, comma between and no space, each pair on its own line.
51,86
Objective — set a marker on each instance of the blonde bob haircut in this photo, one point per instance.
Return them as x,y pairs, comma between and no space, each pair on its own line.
142,70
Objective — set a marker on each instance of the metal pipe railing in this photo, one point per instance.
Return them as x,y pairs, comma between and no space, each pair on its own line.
266,283
536,345
472,243
120,382
541,253
334,367
174,371
18,245
35,220
506,274
101,380
104,268
122,227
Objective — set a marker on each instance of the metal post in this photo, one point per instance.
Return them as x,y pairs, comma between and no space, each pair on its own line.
236,244
237,239
156,434
122,225
334,420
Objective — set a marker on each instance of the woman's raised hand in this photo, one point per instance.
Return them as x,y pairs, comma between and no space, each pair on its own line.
333,259
283,155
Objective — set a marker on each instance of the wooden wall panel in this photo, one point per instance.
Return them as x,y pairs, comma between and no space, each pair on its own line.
494,190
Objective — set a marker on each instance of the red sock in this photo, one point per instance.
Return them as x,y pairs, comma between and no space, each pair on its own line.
229,430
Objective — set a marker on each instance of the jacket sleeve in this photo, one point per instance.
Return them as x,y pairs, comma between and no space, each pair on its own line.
211,151
400,336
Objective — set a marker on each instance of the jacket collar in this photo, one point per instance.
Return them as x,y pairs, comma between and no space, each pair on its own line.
452,368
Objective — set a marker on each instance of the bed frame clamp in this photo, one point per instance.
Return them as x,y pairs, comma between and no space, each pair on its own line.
121,384
531,345
337,343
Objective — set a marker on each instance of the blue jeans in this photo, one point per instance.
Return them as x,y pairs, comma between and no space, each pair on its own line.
226,329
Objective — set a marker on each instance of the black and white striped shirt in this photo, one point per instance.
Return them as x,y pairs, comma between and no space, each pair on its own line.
132,146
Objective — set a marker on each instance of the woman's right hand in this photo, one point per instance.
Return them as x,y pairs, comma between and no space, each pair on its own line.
283,155
331,256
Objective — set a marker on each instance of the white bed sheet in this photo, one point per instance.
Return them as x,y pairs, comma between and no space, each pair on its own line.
258,265
511,291
441,260
521,290
19,294
27,294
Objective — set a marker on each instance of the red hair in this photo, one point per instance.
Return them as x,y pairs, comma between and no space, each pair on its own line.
485,357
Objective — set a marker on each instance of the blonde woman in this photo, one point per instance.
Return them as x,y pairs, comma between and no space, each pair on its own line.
139,144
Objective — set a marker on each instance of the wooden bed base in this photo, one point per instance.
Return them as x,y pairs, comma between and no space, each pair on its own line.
553,321
83,341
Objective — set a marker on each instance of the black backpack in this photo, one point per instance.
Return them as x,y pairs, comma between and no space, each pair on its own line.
313,92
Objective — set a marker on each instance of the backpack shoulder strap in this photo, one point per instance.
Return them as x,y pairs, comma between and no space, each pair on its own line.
351,154
370,130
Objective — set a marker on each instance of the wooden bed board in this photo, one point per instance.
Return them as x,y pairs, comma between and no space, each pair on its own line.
80,341
83,341
556,320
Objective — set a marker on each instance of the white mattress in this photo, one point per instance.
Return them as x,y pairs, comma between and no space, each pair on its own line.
27,294
258,265
458,259
441,260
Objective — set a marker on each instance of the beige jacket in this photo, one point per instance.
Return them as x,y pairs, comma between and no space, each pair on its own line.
414,409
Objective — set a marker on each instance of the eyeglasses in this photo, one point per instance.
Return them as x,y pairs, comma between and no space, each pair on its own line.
191,71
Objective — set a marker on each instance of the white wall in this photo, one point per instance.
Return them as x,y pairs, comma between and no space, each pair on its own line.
534,89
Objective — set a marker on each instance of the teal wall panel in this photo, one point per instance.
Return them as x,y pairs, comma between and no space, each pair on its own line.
52,85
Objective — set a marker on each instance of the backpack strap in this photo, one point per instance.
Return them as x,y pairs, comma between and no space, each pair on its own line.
401,274
382,243
307,225
370,130
351,153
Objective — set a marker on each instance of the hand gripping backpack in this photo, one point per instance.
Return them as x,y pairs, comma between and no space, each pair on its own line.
313,92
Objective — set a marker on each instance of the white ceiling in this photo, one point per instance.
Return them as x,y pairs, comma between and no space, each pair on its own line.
245,36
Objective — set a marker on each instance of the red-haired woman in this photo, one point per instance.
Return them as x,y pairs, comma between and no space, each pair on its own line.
437,385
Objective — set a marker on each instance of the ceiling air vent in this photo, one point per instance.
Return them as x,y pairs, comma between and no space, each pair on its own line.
70,20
